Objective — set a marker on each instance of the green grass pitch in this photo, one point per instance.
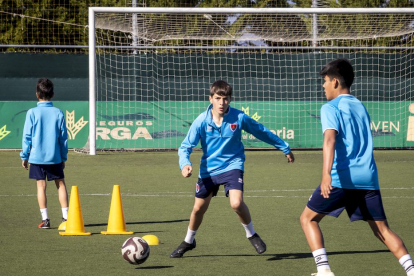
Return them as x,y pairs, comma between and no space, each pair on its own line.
158,200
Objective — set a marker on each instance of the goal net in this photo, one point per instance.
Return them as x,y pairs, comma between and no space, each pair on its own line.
151,69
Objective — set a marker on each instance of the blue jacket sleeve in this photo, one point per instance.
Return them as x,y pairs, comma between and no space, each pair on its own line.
190,141
27,136
63,139
263,134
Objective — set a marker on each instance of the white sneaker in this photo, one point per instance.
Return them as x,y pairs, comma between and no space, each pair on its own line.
326,272
411,273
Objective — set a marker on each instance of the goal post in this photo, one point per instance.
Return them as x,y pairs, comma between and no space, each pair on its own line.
150,70
92,83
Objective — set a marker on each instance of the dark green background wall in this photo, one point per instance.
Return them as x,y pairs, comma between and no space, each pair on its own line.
161,77
19,74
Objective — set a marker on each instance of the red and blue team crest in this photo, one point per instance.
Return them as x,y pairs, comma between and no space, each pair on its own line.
233,127
197,188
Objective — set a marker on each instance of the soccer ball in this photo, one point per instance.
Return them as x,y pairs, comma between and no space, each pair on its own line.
135,250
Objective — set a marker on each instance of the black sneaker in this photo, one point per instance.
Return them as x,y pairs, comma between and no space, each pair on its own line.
182,248
45,224
257,243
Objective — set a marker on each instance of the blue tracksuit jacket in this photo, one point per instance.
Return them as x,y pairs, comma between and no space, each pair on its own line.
45,137
222,146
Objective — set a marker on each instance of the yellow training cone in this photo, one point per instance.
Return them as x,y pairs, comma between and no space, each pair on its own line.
62,226
116,220
151,239
74,224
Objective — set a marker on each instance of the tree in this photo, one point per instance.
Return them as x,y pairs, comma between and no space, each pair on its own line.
64,22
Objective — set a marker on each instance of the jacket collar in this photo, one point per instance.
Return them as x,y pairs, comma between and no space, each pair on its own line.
44,104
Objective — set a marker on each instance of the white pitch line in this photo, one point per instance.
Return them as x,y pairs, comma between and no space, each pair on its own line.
246,192
192,195
306,190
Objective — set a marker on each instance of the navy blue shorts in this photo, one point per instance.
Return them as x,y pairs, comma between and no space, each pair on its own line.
232,180
40,172
359,204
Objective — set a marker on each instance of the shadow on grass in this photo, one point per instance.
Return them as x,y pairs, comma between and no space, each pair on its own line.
290,256
134,233
155,267
294,256
153,222
141,222
228,255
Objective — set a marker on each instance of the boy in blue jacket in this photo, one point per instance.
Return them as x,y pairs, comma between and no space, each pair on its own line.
219,130
45,147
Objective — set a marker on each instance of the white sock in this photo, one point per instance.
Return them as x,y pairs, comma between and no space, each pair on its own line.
249,229
190,236
65,212
321,259
44,213
407,263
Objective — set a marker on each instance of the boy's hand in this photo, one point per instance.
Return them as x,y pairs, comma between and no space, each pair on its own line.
326,186
290,157
187,170
25,164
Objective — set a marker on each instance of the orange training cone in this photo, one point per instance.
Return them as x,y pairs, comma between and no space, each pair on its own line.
116,220
74,224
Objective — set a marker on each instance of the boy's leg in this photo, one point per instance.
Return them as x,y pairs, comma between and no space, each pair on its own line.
309,221
41,193
241,209
394,243
238,205
63,197
42,200
310,225
388,237
196,218
317,207
199,209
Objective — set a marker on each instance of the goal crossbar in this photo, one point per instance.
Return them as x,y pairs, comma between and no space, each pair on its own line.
254,10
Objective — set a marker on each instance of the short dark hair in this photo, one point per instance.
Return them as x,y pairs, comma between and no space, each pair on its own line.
44,89
341,69
221,88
